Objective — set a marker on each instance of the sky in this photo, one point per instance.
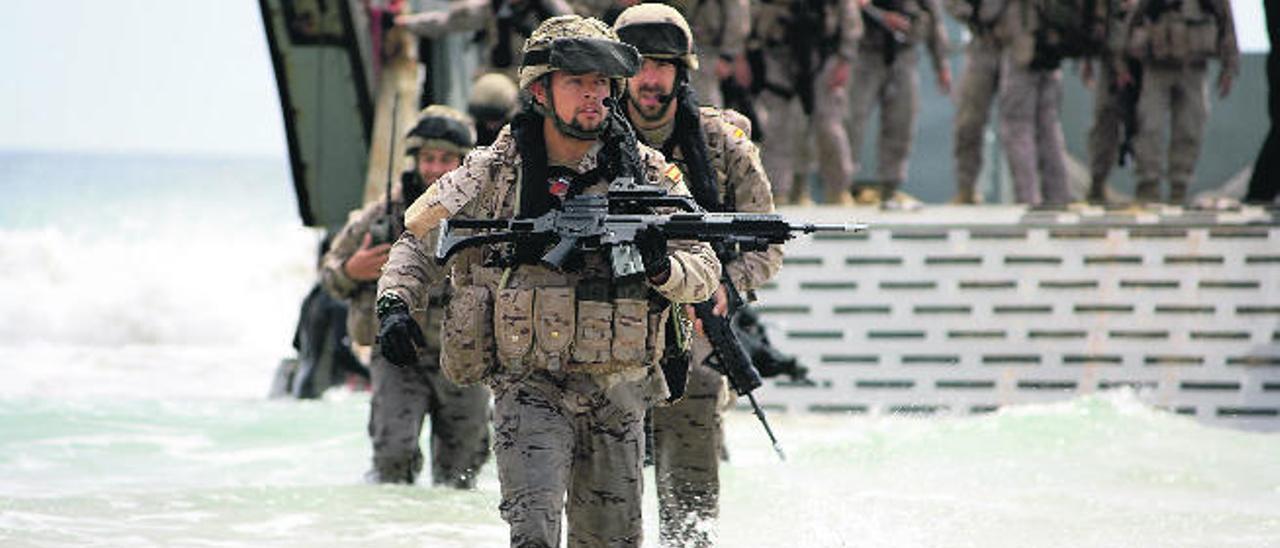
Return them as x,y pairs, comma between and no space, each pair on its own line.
174,76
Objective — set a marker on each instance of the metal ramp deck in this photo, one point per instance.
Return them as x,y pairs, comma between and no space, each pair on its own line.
965,309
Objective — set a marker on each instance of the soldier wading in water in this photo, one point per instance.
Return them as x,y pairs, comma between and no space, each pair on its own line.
571,356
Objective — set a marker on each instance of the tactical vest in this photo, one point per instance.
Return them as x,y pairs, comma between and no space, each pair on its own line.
1175,33
526,317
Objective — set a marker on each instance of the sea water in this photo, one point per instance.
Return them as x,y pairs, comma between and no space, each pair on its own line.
145,303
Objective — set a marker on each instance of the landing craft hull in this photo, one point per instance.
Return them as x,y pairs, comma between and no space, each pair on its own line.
325,80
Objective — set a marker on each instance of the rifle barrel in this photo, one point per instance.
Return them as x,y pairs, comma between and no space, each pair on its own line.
755,408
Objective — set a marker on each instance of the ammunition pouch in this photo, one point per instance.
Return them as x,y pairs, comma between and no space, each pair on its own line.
551,327
1176,37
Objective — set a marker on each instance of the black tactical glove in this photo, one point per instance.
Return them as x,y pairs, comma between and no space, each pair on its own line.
398,335
653,252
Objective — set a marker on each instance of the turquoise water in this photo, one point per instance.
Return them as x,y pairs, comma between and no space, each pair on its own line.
144,303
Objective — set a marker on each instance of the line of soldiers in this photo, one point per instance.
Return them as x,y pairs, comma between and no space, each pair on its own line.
809,72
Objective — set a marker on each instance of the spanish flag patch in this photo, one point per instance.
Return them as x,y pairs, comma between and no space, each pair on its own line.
738,133
673,173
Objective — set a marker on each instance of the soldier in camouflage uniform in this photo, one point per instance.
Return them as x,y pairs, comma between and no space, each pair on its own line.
808,46
1030,104
978,85
884,73
1174,40
404,393
722,168
503,26
1107,132
493,102
572,356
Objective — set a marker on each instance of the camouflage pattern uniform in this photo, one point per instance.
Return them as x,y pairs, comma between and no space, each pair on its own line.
842,28
402,396
570,389
686,435
1030,101
1175,50
978,85
884,73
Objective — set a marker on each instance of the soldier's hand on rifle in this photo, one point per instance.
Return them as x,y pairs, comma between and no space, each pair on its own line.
1224,83
366,263
398,335
721,308
653,252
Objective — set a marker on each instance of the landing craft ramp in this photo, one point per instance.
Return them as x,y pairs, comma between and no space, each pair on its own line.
963,310
319,50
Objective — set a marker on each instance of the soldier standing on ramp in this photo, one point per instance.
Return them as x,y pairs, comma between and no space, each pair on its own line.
978,86
413,387
572,356
1174,40
722,168
808,47
884,74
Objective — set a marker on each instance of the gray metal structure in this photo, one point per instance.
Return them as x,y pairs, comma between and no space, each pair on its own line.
963,310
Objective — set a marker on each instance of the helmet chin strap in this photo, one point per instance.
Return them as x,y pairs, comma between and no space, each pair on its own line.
565,127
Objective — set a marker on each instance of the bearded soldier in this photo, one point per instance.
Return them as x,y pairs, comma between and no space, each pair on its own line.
571,355
723,170
808,47
412,388
1175,40
885,74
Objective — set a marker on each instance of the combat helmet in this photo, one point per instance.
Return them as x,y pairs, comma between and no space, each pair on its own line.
493,95
576,45
443,128
658,31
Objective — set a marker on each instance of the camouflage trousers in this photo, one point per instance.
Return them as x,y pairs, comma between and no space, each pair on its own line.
402,397
686,457
895,89
1106,133
978,85
1031,132
1178,95
835,161
559,434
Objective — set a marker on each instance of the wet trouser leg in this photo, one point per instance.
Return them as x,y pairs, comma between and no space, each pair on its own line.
686,439
396,409
459,430
558,435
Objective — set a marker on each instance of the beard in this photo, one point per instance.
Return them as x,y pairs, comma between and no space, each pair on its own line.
654,113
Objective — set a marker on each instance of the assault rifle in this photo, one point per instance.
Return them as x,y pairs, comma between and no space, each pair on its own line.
612,221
